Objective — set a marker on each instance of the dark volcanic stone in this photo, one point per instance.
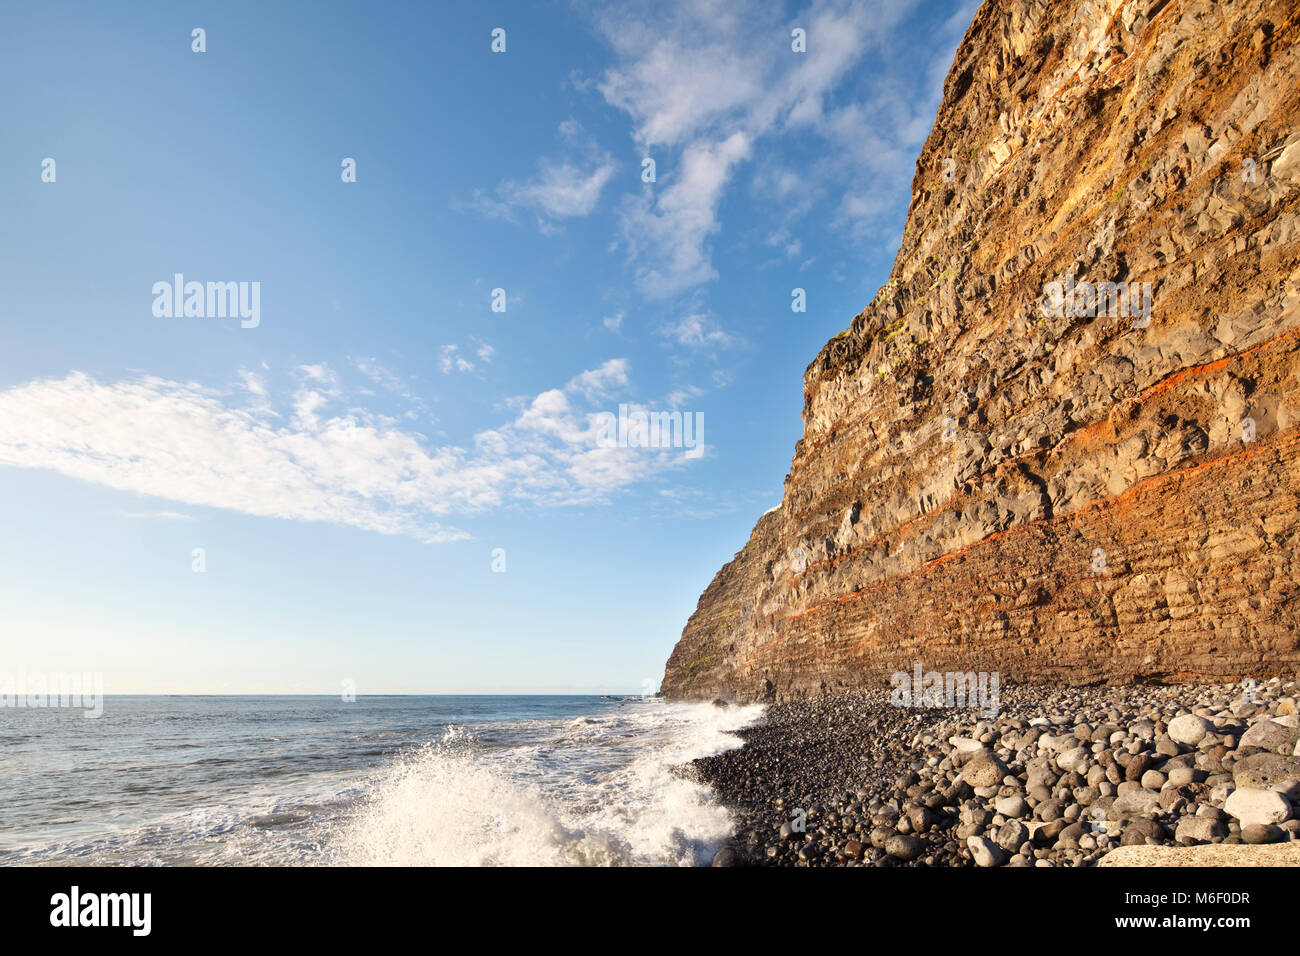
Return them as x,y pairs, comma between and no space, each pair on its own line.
1046,834
984,770
882,835
905,847
1070,835
1138,765
1137,832
1262,833
726,857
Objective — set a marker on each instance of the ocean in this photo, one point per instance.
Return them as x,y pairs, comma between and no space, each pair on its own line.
403,780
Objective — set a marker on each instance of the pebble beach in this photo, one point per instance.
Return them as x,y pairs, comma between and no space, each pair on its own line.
1060,777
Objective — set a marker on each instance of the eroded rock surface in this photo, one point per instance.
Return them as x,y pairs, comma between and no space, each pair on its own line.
991,479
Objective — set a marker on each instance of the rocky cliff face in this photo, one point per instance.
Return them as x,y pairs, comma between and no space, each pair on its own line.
1002,472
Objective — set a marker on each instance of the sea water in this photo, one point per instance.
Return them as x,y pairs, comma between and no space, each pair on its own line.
406,780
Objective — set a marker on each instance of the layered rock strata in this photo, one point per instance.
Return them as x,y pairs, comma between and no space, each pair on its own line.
1062,441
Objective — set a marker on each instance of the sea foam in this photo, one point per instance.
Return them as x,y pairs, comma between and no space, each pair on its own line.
597,791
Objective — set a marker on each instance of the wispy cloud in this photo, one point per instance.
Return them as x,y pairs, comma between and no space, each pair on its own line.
154,515
568,188
394,384
667,232
699,331
563,190
679,396
598,382
703,82
320,374
256,384
450,360
184,442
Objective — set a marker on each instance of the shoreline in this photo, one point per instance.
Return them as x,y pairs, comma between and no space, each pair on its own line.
1060,777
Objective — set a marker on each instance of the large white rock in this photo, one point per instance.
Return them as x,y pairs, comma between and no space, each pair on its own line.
1137,802
1189,729
1012,807
985,852
1269,735
1057,742
1250,805
1075,759
1200,830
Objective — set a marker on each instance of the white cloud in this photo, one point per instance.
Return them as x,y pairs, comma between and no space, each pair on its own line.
614,322
787,243
154,515
667,232
256,384
393,383
449,360
380,375
703,81
683,394
561,190
692,68
675,79
322,374
780,182
566,189
699,331
597,382
187,443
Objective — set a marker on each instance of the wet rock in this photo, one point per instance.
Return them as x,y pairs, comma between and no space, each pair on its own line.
726,857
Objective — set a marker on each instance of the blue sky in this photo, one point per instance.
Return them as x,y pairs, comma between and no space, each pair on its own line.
349,465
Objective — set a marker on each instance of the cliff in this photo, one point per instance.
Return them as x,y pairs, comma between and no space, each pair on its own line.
1000,472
